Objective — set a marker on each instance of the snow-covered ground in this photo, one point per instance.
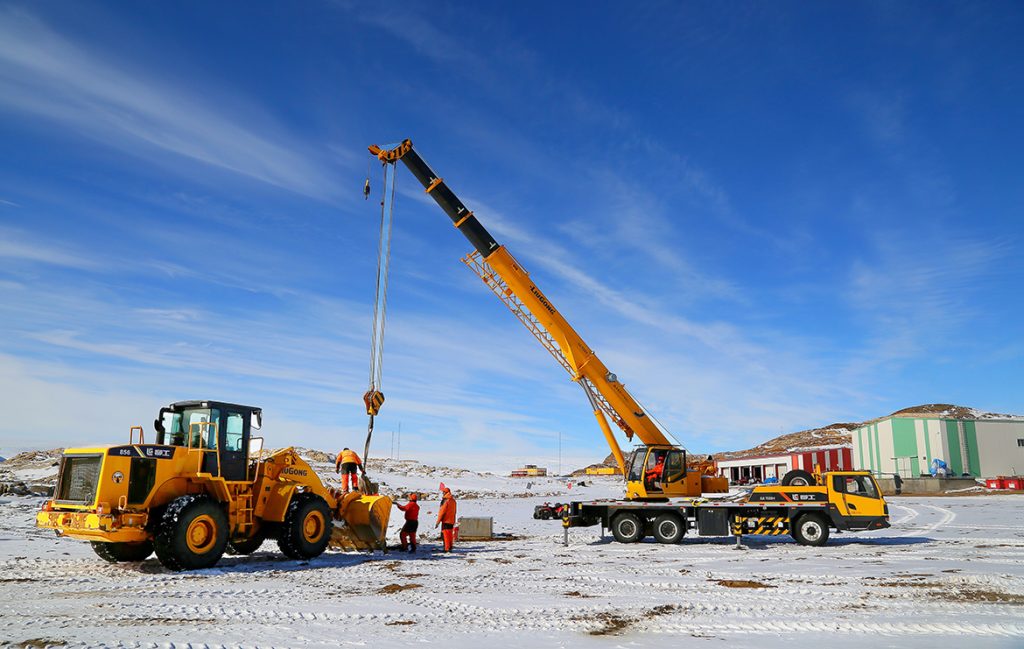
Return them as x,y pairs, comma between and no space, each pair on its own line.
949,573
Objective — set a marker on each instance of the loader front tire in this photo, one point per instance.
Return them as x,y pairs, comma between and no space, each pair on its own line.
306,529
191,534
627,528
811,529
115,552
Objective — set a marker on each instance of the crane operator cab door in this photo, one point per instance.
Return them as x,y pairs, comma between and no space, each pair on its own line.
859,499
656,472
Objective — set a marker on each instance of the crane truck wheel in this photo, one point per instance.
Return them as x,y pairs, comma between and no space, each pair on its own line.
115,552
191,534
811,529
668,528
627,528
798,478
247,546
306,529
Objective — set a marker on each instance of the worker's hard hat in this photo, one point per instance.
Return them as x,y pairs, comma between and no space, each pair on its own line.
412,496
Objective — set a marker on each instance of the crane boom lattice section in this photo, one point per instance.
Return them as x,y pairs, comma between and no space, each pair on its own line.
500,289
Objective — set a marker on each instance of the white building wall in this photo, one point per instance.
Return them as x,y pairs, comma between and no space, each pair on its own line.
998,449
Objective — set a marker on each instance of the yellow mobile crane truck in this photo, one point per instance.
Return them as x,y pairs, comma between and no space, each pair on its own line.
663,485
205,487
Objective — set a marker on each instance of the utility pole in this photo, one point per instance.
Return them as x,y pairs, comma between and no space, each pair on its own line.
398,455
392,443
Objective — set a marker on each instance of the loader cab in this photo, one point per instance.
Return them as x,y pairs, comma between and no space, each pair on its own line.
656,472
219,430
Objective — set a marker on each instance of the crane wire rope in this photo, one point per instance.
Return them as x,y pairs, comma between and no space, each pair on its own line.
374,398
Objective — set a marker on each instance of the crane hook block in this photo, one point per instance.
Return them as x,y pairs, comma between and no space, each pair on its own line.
366,189
373,399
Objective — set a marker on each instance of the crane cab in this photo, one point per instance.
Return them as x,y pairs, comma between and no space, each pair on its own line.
663,471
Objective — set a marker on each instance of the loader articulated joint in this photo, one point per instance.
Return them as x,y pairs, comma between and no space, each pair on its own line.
391,155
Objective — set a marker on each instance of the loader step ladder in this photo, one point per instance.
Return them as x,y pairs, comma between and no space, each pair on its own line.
244,509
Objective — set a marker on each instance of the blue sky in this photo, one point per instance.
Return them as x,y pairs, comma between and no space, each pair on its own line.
764,217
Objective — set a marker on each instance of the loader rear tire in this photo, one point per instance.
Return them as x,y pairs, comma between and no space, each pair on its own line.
668,528
191,534
627,528
811,529
248,546
306,529
798,478
115,552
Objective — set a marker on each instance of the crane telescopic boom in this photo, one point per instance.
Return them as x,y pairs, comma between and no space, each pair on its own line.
608,397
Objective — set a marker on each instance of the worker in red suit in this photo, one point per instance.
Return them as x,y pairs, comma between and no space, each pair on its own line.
412,523
446,519
346,464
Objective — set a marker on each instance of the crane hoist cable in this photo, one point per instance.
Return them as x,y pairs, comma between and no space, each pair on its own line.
373,399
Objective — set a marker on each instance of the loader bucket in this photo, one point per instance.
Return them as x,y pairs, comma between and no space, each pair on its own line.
361,522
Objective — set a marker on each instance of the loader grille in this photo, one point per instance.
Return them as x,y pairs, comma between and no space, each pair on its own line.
79,476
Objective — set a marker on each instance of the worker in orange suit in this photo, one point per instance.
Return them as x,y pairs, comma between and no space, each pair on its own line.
655,472
347,463
412,523
446,519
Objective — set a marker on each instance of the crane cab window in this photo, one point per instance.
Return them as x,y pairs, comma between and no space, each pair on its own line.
675,467
855,485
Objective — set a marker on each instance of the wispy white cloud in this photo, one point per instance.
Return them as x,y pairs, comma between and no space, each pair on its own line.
54,78
16,244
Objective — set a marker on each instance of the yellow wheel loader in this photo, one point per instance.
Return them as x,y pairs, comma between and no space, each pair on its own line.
205,487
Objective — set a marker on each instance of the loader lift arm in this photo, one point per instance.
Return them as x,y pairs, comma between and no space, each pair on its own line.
511,283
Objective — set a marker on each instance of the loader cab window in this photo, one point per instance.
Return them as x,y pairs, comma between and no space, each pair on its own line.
855,485
233,432
191,422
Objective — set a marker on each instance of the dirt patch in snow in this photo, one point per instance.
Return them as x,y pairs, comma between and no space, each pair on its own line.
397,588
611,624
741,583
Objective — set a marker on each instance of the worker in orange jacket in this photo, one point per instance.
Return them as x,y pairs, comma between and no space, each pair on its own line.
446,519
412,523
346,464
654,474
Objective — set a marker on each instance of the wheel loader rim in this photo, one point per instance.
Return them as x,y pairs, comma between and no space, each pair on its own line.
313,526
201,534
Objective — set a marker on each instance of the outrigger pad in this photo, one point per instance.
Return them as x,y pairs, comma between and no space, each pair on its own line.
361,523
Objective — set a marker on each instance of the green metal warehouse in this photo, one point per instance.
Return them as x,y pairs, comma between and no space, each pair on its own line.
982,446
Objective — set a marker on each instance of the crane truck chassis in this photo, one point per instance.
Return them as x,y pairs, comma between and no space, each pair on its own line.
205,487
848,501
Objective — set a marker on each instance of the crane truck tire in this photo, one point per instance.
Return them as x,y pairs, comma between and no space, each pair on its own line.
668,528
247,546
798,478
811,529
627,528
191,534
306,529
115,552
